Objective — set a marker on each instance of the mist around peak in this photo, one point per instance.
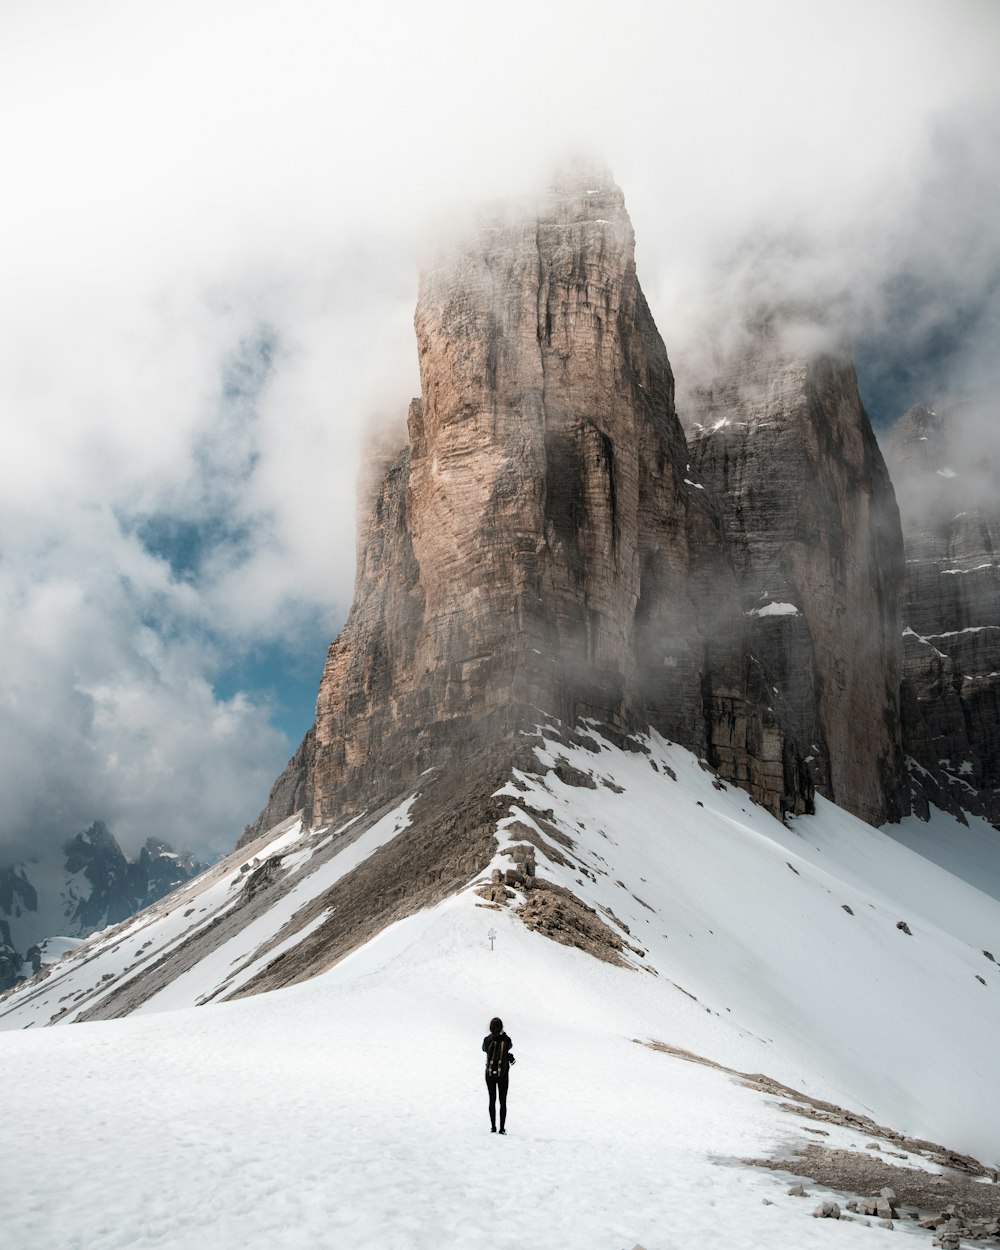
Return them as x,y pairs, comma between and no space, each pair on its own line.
177,556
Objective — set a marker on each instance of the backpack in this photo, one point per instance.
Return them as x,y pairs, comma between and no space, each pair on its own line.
494,1056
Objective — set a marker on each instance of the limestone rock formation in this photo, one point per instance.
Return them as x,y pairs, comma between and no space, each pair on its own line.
546,544
781,440
536,550
945,472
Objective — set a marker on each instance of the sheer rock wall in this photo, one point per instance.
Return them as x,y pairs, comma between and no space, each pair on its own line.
546,545
951,615
535,550
782,442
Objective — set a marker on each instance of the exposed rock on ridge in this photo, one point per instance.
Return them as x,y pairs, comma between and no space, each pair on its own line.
783,443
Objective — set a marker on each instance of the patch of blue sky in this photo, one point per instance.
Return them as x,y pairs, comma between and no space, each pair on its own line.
185,543
214,528
248,369
283,676
226,455
912,355
214,518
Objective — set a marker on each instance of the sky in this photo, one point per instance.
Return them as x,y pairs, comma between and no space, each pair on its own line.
209,242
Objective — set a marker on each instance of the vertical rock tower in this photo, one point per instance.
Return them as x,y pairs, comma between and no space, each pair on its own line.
535,551
547,547
783,443
944,465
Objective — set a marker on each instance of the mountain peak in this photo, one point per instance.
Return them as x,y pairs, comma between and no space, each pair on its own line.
537,550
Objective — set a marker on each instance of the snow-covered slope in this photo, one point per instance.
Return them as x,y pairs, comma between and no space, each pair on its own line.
825,954
350,1112
120,955
968,848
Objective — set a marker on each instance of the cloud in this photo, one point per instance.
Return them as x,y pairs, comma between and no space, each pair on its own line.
103,712
210,267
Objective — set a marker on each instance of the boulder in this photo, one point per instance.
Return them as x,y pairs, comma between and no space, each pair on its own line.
827,1210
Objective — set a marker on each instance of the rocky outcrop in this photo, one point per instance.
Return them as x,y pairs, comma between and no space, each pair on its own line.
781,440
10,961
945,472
546,544
287,795
535,550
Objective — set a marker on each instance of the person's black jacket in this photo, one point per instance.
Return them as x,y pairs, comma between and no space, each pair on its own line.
499,1054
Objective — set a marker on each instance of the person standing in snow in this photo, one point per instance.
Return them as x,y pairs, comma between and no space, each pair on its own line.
499,1057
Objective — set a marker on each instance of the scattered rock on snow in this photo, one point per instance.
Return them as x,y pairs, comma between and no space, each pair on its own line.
524,858
571,776
949,1236
884,1209
262,877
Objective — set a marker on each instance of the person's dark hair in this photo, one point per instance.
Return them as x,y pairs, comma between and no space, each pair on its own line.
496,1025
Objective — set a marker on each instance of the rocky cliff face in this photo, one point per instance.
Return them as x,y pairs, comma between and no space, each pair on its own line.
546,548
536,550
946,481
546,544
782,442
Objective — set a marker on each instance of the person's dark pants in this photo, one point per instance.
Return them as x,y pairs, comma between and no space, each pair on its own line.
493,1084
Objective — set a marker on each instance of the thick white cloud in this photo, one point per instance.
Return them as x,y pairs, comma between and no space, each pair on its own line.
187,179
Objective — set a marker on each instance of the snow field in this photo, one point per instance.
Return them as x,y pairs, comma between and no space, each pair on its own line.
351,1112
748,916
968,851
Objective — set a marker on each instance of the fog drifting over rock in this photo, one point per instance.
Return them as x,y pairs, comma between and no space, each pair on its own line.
210,252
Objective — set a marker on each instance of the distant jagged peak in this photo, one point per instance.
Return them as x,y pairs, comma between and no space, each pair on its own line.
954,428
85,884
756,359
93,846
944,459
96,834
919,437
